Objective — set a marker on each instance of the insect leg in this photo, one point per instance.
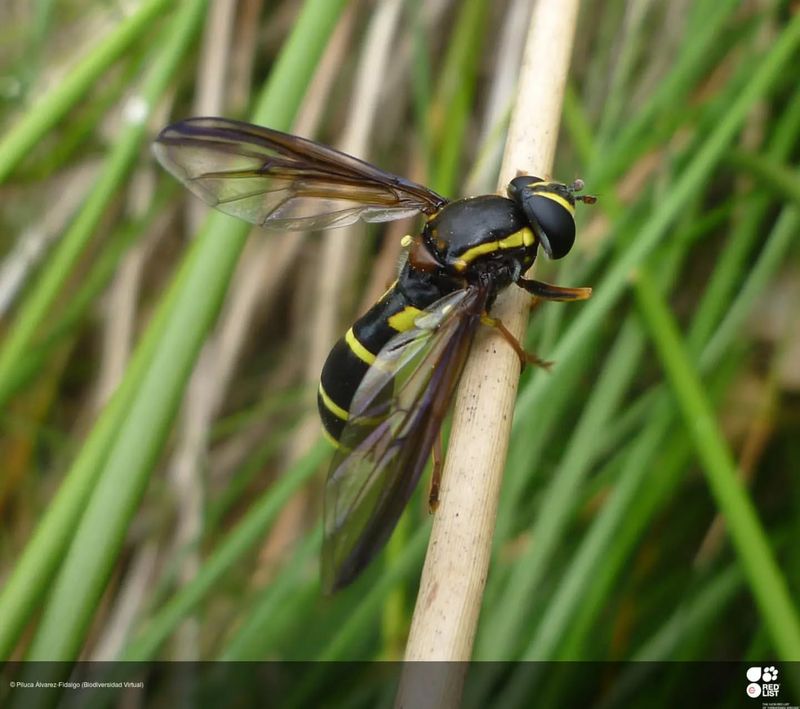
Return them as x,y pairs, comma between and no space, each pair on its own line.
524,356
534,304
546,291
436,474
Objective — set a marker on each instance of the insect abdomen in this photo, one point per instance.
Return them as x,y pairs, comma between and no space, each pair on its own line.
356,352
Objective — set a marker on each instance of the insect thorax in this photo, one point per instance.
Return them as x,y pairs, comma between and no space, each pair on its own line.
479,237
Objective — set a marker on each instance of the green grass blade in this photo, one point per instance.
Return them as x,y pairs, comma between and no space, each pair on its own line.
620,524
500,634
710,600
608,292
782,179
32,573
117,166
148,416
247,534
51,108
455,92
766,582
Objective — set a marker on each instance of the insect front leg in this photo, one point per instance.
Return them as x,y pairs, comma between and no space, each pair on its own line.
547,291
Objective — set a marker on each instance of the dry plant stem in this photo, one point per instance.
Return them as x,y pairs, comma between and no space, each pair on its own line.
120,309
292,518
235,451
120,303
127,605
340,247
395,79
243,54
214,60
457,562
214,57
505,75
383,270
205,387
63,196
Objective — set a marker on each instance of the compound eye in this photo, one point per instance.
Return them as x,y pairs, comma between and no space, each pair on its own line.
553,223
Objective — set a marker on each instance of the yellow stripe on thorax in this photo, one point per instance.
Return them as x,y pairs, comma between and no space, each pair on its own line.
404,319
331,405
523,237
358,349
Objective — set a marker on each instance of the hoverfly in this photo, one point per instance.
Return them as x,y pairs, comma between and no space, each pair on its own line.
387,383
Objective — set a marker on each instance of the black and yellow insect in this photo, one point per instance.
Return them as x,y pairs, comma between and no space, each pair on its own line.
387,384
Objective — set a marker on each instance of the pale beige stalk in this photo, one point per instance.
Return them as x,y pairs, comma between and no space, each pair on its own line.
457,563
340,248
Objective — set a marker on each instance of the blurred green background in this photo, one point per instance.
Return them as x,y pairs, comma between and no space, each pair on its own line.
160,452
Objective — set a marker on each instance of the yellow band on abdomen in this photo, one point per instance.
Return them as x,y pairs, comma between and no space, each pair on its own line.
331,405
358,349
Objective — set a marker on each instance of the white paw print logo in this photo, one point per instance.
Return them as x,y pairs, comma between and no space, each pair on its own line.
770,674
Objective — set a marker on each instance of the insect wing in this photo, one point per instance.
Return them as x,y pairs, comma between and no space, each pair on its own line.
394,418
283,181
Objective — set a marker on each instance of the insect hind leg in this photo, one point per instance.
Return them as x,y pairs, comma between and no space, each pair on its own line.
436,474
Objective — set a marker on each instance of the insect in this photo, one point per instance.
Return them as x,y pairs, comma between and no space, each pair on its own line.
387,383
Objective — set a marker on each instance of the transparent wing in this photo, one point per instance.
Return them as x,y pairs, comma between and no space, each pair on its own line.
394,418
282,181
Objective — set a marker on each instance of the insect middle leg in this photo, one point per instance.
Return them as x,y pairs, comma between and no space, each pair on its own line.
525,357
541,291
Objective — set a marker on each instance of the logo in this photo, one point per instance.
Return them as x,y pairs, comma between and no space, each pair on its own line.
762,682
